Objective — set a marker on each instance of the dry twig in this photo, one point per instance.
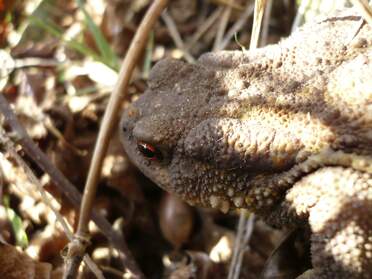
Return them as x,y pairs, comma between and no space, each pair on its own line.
222,27
300,14
259,9
11,149
204,27
21,137
169,22
364,9
77,247
238,25
245,226
266,23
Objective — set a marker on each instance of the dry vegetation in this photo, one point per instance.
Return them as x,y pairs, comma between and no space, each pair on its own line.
59,62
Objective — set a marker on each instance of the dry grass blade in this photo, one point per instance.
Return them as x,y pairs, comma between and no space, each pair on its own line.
259,9
222,27
228,3
266,22
204,27
63,185
300,14
108,123
248,226
169,22
11,149
245,226
238,25
365,9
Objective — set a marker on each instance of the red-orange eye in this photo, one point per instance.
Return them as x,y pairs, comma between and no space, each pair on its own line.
149,151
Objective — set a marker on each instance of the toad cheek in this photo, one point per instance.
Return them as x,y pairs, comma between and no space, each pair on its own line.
159,175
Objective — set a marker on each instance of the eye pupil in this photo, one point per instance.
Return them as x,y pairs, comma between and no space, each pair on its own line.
148,150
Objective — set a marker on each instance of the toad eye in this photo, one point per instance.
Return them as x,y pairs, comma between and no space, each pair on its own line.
149,151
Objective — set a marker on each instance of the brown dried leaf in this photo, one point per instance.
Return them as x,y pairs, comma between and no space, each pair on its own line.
48,244
176,220
18,265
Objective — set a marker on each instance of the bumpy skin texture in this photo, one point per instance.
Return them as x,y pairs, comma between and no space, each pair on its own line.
285,131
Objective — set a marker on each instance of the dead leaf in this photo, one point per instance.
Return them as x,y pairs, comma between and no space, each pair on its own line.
18,265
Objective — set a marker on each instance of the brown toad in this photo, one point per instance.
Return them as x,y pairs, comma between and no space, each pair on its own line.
285,131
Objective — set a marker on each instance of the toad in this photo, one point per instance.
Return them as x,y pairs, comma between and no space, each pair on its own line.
284,131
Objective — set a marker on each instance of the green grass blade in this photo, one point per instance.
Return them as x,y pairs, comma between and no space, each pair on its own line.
148,56
104,48
54,30
16,222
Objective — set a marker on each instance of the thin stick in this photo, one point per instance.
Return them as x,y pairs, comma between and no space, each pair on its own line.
238,25
169,22
61,182
249,224
245,226
259,8
11,149
205,25
239,235
364,9
300,14
266,23
222,27
108,123
228,3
